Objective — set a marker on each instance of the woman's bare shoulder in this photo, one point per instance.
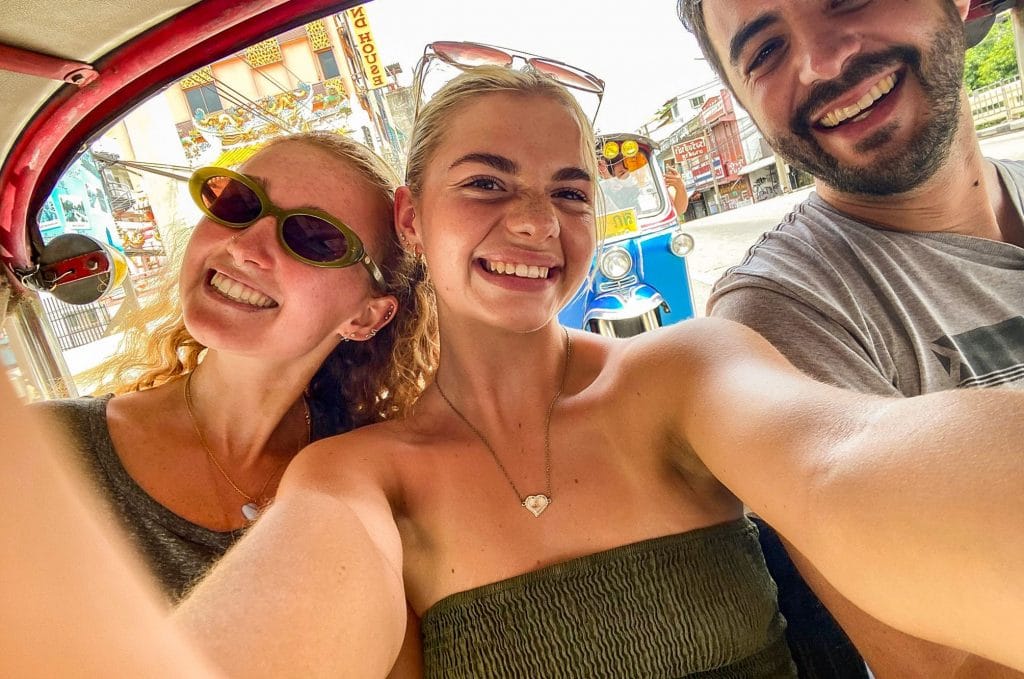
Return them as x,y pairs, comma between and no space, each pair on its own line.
682,347
363,455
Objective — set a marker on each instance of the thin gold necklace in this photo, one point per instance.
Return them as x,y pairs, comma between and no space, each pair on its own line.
253,505
538,502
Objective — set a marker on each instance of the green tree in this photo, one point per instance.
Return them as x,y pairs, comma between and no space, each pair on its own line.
994,58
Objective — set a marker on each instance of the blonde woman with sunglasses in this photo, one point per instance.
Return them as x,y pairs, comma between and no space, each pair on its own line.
561,504
295,315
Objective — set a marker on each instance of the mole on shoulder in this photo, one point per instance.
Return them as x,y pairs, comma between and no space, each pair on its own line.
976,182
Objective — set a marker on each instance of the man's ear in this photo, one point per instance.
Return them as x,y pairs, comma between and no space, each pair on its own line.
406,221
378,312
962,8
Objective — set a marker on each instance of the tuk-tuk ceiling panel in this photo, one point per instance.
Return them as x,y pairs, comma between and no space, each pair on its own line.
81,30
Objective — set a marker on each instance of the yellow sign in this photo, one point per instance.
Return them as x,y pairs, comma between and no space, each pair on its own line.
362,36
610,150
620,222
630,148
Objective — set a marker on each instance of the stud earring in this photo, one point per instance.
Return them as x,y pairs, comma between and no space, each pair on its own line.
388,313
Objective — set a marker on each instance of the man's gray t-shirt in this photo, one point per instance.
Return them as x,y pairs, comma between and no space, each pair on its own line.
883,311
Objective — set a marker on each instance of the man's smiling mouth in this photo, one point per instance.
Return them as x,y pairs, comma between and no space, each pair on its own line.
860,109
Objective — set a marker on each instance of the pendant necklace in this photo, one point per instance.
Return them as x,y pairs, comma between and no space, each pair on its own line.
253,505
537,503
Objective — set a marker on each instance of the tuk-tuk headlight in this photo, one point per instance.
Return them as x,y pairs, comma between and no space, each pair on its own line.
616,263
681,244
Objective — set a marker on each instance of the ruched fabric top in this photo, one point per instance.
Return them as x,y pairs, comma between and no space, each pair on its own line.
697,604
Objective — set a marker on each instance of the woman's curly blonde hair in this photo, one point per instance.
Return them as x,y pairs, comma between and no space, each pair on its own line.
359,382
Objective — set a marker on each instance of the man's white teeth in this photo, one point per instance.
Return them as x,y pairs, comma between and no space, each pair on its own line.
232,289
519,270
880,89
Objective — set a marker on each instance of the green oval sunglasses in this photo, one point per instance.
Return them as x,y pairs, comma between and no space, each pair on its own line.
309,235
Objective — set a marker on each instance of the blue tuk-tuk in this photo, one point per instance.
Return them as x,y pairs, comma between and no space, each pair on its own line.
639,280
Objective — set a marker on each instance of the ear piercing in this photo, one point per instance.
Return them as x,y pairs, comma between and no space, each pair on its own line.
388,313
416,251
370,334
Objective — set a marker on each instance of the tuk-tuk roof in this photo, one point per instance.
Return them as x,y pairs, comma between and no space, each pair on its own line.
981,16
623,136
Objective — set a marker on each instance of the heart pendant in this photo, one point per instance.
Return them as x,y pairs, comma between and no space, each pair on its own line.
250,511
536,504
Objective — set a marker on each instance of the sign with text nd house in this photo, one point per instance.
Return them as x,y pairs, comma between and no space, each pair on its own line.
373,65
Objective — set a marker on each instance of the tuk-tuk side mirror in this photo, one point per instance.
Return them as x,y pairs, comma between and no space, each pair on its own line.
77,269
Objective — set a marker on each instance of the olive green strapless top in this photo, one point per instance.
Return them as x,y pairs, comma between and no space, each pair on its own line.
697,604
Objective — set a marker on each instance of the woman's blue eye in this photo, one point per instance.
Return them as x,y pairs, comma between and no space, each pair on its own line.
485,183
572,194
839,4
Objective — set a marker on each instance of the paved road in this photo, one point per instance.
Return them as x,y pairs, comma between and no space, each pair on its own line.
723,239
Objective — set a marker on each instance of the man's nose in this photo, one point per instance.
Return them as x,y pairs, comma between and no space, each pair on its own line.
823,54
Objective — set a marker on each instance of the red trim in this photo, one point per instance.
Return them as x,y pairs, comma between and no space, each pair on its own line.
983,8
195,37
43,65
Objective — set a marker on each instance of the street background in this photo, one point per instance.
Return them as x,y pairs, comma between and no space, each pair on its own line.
722,240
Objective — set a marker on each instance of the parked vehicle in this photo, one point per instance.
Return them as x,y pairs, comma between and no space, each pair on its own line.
640,279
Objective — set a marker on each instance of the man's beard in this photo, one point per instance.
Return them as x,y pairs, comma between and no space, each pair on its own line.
904,167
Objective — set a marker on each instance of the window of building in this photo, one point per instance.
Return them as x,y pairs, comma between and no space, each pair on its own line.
204,97
328,64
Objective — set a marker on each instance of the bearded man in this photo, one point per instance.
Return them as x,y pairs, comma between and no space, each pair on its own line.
904,273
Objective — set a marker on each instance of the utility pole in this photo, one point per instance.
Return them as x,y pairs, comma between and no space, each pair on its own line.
712,151
780,169
1017,19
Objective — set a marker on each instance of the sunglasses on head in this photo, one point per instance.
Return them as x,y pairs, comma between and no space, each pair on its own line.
467,55
307,234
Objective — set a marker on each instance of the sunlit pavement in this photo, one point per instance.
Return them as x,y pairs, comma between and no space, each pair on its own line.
722,240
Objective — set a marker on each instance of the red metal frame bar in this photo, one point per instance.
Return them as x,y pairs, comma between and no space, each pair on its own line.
190,40
981,8
45,66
